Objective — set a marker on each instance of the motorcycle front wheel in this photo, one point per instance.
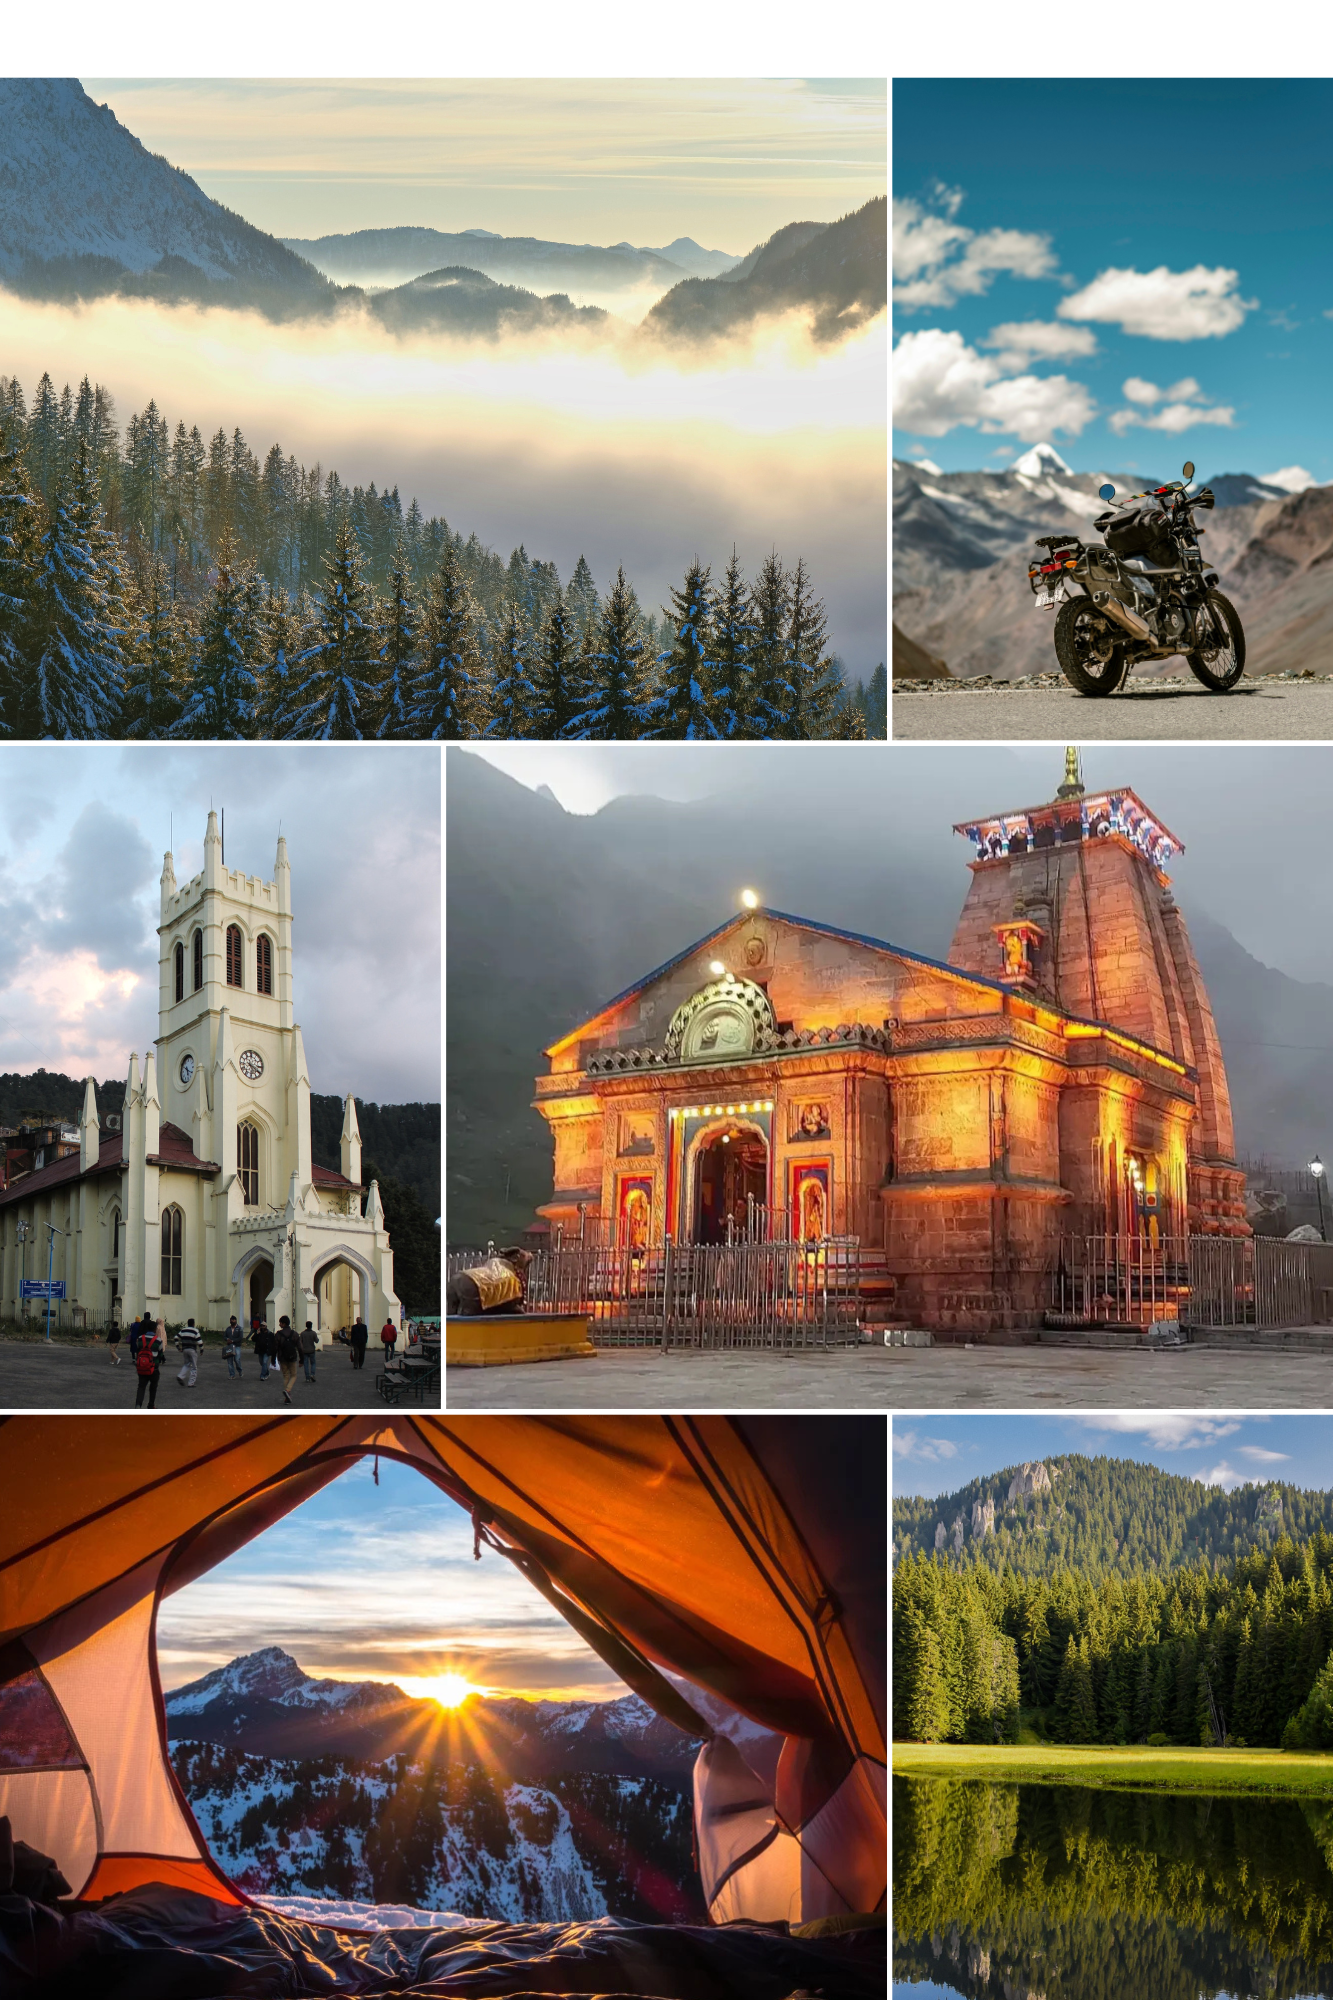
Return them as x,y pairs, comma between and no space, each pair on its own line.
1222,666
1087,662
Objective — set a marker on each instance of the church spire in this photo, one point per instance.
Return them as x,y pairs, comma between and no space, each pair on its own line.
89,1137
351,1143
1072,788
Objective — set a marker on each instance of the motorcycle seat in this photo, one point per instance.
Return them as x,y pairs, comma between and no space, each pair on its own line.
1143,567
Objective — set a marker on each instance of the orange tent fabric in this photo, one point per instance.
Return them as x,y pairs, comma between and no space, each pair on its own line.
732,1570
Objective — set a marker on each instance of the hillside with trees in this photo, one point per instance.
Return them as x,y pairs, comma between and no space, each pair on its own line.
1193,1647
157,586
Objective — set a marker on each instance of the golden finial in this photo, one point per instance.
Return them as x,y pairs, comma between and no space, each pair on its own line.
1072,788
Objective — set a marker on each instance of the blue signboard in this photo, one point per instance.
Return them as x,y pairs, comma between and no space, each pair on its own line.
41,1288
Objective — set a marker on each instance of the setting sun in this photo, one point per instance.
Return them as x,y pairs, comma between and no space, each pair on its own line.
450,1690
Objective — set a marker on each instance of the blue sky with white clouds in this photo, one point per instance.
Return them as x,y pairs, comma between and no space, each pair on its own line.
1139,272
935,1454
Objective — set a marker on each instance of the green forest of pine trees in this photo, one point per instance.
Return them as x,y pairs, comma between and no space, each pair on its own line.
1207,1654
156,586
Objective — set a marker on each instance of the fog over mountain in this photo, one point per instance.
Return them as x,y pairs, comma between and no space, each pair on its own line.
550,913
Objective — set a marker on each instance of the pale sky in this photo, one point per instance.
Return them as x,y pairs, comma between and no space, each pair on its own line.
600,160
83,828
378,1582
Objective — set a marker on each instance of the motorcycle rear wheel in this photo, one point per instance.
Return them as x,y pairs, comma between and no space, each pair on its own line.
1221,669
1086,670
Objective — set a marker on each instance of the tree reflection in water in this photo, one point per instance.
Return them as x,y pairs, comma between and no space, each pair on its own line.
1062,1892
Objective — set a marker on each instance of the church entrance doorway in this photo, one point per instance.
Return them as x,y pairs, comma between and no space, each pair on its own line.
730,1182
261,1284
339,1297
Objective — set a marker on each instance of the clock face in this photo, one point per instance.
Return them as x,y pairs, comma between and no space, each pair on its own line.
251,1065
186,1068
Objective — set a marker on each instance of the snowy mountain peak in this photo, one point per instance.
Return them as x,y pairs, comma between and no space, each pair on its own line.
272,1675
1042,459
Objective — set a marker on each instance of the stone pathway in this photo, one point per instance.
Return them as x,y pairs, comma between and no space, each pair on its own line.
34,1376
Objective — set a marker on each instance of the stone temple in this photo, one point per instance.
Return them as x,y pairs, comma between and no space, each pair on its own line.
1059,1076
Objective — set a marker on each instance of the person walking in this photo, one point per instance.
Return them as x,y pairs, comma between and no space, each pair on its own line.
232,1347
188,1340
113,1342
359,1339
149,1355
308,1342
289,1354
388,1339
265,1348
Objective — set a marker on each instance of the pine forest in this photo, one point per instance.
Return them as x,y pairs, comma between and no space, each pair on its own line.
157,586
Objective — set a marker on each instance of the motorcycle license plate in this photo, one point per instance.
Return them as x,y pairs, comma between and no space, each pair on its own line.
1047,598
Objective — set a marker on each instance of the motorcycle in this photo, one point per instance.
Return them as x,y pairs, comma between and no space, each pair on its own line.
1142,594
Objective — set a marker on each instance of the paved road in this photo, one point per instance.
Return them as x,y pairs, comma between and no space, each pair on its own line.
914,1378
36,1377
1265,709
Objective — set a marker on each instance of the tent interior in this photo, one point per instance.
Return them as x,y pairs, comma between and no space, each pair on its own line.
731,1570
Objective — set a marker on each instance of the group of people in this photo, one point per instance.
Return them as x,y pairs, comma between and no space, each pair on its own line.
283,1351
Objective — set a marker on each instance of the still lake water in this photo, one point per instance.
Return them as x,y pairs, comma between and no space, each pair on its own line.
1063,1892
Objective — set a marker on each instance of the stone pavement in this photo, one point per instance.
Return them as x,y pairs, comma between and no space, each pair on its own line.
34,1376
913,1378
1264,709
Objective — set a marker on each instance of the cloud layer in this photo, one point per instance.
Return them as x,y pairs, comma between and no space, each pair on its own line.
940,382
1199,304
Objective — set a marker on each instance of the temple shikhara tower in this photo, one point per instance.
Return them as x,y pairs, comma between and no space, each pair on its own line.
200,1198
1059,1076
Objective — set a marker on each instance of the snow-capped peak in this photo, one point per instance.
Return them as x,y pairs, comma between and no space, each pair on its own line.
1042,458
272,1675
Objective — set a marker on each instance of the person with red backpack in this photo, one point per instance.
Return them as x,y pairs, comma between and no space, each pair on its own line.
149,1353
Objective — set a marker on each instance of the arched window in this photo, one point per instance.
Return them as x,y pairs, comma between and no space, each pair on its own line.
173,1236
115,1225
198,949
179,957
264,963
247,1163
233,955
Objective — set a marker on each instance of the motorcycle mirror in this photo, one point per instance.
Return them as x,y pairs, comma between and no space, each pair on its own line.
1106,493
1188,468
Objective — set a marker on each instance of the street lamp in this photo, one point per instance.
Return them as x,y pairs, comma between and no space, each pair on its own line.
52,1234
1317,1169
23,1230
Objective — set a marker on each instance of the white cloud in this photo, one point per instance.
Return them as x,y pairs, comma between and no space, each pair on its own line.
1165,1430
1021,341
1224,1475
1162,304
1182,407
1263,1457
936,260
925,1450
1292,478
940,382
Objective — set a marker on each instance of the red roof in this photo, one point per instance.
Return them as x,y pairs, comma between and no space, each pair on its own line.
325,1177
174,1150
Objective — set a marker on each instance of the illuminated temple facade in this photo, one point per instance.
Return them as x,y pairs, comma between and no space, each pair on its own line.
1060,1075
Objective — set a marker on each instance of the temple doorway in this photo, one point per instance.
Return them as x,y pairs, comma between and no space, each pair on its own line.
731,1179
261,1284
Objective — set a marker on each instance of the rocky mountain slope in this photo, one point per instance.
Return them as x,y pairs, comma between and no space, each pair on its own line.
836,273
449,1837
394,256
1100,1515
265,1704
962,542
590,900
82,201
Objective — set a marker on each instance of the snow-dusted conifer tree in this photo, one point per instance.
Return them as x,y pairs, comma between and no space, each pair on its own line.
581,599
682,708
224,691
20,552
279,636
510,708
616,707
399,659
333,677
557,677
733,630
809,672
771,696
71,655
449,698
155,652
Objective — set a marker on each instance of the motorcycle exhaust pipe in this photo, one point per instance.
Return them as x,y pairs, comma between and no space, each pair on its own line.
1115,609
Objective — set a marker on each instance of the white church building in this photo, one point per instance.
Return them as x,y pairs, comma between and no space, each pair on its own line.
202,1199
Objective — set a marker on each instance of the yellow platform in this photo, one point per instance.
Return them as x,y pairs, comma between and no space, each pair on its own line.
487,1339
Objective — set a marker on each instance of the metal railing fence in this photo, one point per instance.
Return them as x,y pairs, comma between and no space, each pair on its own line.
710,1296
1223,1281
